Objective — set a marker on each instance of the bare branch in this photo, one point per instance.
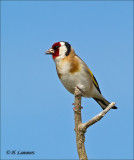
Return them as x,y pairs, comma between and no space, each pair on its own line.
80,128
80,135
84,126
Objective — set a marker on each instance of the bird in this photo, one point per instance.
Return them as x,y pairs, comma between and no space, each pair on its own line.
73,72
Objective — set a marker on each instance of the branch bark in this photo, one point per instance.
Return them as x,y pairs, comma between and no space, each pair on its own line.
80,128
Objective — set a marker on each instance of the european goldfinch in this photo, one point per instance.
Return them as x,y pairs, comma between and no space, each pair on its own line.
72,72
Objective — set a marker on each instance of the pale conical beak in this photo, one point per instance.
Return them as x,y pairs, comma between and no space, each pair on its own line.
50,51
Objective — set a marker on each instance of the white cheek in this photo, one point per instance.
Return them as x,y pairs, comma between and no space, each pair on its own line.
62,54
62,51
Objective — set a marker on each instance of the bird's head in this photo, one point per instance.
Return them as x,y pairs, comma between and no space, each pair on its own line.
59,50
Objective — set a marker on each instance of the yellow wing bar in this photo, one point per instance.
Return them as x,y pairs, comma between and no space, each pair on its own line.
94,80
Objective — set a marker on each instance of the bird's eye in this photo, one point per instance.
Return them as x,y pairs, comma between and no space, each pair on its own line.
56,47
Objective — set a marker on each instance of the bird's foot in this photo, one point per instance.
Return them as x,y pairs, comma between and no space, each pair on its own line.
79,91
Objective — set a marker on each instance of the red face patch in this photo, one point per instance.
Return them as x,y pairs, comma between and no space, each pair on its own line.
56,47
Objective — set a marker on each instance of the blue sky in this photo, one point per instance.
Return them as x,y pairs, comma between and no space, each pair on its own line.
36,110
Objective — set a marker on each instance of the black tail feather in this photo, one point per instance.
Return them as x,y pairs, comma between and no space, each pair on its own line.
103,103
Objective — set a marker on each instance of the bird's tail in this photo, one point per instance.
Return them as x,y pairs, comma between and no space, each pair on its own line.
103,103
